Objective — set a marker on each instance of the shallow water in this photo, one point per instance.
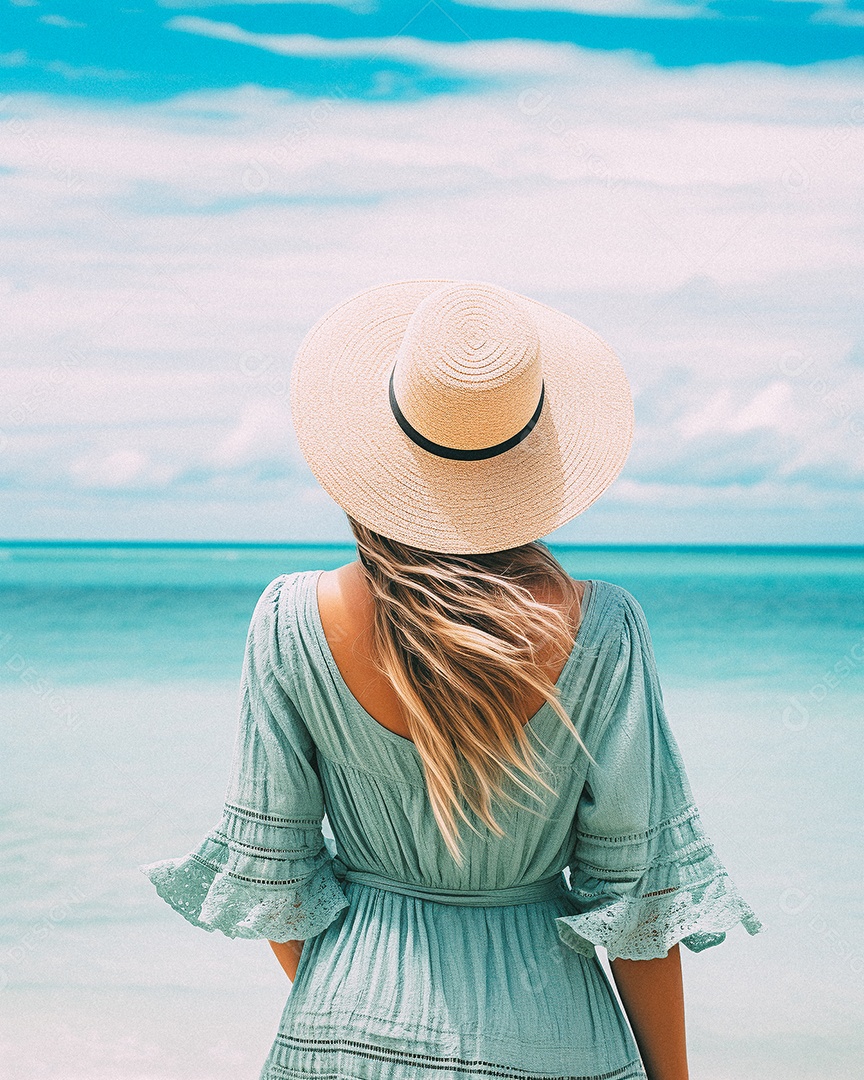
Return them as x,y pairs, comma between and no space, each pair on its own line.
119,667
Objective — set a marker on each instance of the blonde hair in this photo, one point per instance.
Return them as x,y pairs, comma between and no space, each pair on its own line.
462,639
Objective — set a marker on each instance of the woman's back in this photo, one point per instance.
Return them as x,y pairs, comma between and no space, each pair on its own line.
373,776
346,610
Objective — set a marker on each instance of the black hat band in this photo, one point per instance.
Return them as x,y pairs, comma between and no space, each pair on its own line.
451,451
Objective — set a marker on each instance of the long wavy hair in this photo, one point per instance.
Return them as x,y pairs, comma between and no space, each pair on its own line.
463,640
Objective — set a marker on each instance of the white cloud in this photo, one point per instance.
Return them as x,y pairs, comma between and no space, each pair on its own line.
16,58
732,498
358,6
20,58
470,57
161,263
770,407
124,468
62,22
87,71
838,13
829,11
261,434
630,9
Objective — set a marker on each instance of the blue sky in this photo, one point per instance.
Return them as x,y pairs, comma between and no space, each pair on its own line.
186,187
156,50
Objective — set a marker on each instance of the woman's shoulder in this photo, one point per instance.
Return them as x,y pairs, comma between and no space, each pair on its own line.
281,588
282,602
613,601
307,595
616,617
283,629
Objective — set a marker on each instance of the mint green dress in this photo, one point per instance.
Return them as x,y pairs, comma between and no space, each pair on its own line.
414,969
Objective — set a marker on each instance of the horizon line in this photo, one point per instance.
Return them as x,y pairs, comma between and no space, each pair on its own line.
348,545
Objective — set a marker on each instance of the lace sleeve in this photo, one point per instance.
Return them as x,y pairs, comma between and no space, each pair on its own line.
265,870
644,873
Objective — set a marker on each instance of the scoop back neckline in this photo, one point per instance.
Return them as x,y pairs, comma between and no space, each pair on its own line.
345,692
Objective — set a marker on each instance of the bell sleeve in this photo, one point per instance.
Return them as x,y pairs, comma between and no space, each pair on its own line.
644,874
265,870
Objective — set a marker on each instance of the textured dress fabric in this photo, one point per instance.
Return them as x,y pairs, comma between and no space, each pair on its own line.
414,968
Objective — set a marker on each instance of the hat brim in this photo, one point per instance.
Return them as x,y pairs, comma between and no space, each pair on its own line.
365,462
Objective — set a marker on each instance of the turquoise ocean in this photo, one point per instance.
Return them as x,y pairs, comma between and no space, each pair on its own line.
119,669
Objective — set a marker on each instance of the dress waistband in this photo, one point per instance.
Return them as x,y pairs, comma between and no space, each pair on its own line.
545,889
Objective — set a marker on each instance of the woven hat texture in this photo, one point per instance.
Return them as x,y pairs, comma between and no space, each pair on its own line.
458,416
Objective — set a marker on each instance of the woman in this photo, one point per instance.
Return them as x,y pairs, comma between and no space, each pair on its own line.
468,721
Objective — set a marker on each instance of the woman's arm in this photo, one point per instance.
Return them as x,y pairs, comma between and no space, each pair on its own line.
653,995
288,955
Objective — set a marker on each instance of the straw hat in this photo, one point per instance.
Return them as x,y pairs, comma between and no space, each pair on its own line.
457,416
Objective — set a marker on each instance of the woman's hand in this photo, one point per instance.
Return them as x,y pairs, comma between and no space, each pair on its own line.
288,955
653,995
